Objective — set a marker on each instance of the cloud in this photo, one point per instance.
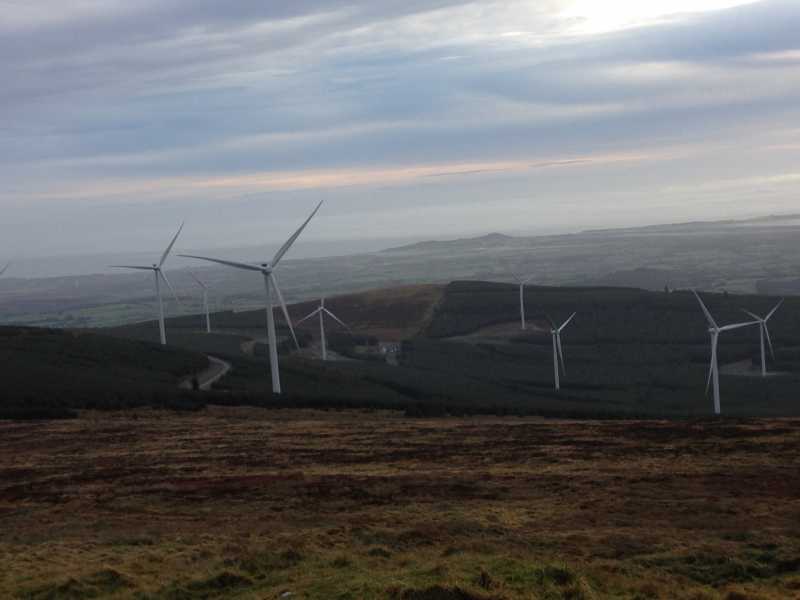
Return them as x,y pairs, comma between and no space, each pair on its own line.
156,101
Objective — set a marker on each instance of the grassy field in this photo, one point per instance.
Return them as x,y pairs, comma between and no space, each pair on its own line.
247,503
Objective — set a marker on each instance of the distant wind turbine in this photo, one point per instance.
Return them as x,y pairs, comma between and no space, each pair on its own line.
205,300
322,311
522,283
714,330
270,281
558,352
764,330
159,275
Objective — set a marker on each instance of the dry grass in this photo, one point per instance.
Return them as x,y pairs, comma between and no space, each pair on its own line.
252,504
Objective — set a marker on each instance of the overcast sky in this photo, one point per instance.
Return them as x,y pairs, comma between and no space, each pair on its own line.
411,118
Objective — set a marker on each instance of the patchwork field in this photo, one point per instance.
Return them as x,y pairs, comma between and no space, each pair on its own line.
250,503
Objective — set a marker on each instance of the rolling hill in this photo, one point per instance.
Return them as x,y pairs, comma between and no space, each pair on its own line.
48,373
629,353
391,314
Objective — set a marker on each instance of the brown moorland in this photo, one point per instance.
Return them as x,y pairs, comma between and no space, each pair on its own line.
249,503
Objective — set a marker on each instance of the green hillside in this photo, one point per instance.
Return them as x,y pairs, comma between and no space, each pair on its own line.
629,353
48,373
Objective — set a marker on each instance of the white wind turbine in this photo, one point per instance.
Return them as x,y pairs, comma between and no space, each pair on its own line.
159,275
558,352
714,330
522,283
764,330
205,300
322,311
270,281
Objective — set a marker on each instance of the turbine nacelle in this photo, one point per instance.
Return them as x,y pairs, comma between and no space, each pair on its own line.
764,334
558,351
322,312
714,330
270,282
159,275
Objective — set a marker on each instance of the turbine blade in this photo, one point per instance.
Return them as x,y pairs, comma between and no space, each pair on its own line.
552,323
169,285
710,319
769,341
733,326
169,248
4,269
285,248
132,267
197,279
284,309
572,316
335,318
747,312
561,354
772,312
714,339
230,263
308,316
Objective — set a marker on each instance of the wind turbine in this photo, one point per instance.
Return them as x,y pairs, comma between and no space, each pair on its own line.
322,311
764,330
270,281
159,275
714,330
205,300
555,331
522,283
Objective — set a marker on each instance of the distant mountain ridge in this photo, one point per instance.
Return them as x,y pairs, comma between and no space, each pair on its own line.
702,225
495,239
489,240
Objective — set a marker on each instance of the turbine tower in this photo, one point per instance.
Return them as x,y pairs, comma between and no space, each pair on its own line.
322,311
558,352
267,270
522,283
159,275
205,300
714,330
764,330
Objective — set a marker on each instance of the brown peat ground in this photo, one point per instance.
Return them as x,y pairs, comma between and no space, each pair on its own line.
249,503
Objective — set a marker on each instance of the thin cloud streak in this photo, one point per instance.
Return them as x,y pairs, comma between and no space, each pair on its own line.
156,189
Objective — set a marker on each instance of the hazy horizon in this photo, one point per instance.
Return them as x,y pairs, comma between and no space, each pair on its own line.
85,264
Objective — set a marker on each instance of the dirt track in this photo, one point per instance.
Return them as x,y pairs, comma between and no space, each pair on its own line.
217,369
